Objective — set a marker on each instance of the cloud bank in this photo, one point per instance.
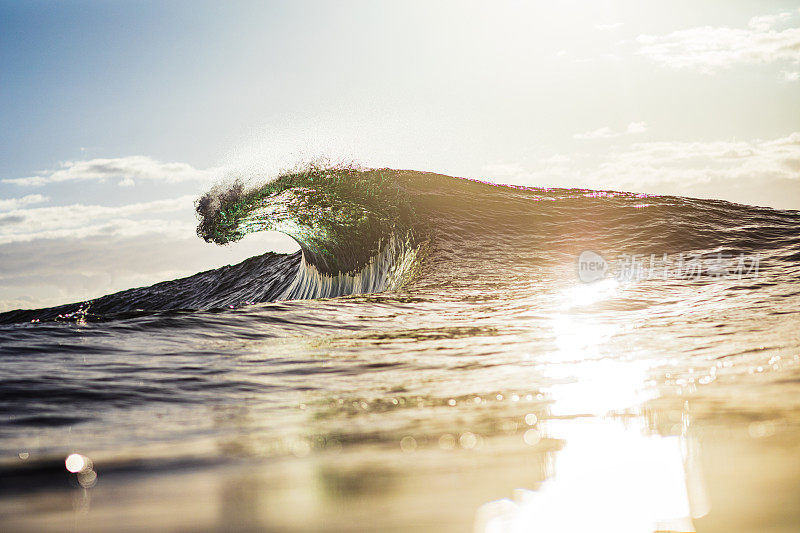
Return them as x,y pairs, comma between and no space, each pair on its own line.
757,171
79,221
608,133
16,203
126,170
709,49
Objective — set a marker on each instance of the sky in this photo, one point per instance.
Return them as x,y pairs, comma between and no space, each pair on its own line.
115,116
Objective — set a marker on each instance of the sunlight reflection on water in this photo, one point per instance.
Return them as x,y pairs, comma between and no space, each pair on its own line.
613,474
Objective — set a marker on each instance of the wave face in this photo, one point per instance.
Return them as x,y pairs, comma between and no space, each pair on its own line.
367,231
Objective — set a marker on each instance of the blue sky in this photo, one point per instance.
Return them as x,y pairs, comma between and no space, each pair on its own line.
115,115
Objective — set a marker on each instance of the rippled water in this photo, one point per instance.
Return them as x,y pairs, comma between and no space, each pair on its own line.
488,389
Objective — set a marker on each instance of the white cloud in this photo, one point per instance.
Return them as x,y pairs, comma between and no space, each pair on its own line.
636,127
687,165
16,203
127,170
760,172
607,133
709,49
791,76
766,22
80,221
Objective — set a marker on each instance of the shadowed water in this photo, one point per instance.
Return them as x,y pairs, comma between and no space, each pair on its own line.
487,387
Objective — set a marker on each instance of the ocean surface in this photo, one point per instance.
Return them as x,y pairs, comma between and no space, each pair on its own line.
441,355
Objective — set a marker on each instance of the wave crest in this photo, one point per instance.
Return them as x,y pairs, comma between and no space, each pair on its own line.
354,226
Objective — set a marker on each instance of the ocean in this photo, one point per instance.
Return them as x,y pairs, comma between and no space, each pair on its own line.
442,354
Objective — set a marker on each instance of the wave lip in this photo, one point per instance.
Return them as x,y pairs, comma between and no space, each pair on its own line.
354,227
341,217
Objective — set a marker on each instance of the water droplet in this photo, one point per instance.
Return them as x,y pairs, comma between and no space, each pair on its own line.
447,441
87,479
76,462
468,440
531,437
408,444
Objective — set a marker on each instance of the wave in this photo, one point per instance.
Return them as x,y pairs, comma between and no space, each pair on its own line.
372,230
355,228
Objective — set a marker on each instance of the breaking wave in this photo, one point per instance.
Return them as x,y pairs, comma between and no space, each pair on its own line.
372,230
